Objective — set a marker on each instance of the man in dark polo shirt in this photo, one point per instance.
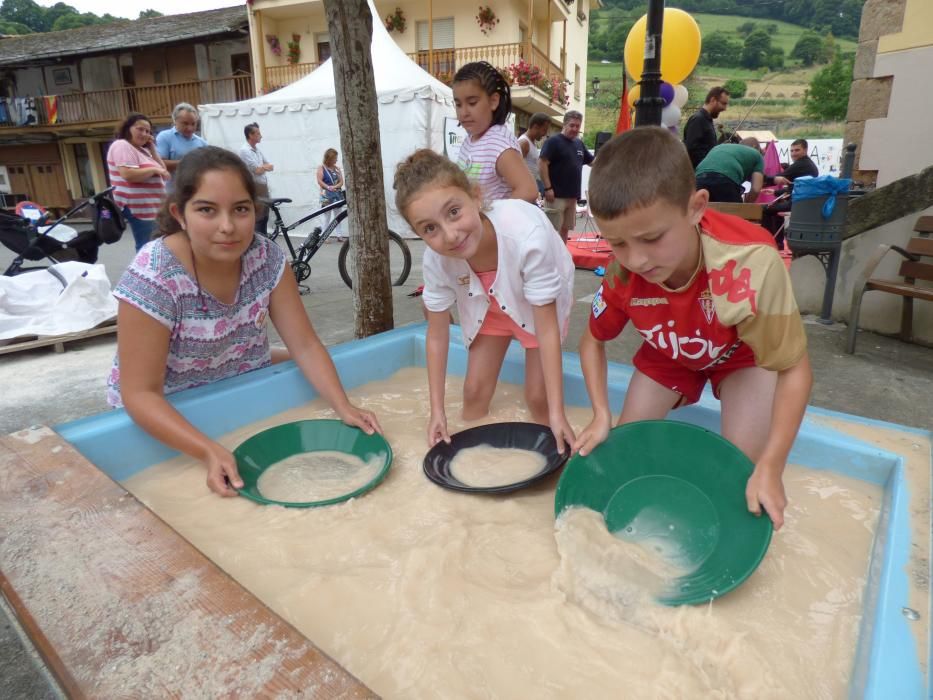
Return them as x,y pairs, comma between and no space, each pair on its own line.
802,166
560,165
699,132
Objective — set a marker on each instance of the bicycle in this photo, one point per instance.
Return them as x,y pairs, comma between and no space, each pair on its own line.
399,254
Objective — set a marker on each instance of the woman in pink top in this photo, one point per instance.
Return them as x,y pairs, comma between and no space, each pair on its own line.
138,175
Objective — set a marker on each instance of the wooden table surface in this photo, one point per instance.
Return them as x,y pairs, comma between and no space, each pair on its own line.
120,605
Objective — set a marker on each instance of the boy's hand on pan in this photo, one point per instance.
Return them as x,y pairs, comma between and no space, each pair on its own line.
592,435
437,430
361,418
765,489
222,475
563,433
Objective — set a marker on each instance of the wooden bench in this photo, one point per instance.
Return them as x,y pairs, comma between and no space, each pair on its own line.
913,268
748,211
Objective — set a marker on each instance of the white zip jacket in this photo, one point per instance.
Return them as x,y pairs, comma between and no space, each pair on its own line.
535,268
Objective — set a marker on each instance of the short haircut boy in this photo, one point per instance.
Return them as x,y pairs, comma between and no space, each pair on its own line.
617,185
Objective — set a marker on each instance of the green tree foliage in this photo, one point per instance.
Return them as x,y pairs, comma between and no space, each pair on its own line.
7,27
719,49
745,28
149,14
35,18
736,88
609,44
809,49
25,12
74,20
827,98
757,49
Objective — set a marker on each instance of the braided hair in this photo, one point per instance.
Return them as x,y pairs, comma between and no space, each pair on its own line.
492,82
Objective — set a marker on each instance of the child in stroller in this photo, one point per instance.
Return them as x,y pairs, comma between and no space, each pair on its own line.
29,234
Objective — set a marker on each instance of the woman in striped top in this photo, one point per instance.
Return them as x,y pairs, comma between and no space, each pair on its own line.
138,176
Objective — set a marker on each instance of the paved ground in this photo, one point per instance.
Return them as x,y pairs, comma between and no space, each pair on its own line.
886,380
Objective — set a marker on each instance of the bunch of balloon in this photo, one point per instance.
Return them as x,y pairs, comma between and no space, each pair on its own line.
680,51
674,96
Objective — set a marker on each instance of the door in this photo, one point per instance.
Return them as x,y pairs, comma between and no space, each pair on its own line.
48,185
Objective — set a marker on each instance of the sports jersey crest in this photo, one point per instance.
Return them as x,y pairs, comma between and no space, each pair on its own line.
705,301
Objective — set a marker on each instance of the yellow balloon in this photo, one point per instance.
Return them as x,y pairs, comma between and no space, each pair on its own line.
634,94
680,46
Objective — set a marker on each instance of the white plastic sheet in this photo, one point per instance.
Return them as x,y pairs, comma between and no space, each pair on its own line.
34,303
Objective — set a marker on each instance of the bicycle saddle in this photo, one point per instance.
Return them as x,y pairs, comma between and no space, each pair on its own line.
275,202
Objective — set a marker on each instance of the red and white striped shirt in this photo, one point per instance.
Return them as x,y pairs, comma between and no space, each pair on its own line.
144,199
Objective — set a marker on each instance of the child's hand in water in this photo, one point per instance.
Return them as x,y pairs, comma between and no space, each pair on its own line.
222,475
437,430
563,433
592,435
765,489
360,418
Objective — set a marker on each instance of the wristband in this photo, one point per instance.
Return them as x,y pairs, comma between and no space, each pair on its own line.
548,189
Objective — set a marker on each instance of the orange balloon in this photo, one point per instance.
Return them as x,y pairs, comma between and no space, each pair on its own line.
680,46
633,95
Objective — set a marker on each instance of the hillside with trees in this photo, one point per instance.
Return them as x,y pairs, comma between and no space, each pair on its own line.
792,79
841,17
28,17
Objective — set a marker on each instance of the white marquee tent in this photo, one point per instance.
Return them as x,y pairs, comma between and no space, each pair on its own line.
300,121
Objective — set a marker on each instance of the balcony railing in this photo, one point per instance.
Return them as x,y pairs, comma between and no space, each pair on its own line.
155,101
443,63
280,76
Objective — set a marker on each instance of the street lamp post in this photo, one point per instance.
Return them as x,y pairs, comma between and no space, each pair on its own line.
595,85
649,105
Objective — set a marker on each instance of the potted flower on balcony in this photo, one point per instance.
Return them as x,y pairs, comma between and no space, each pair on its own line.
523,73
486,19
274,44
294,49
396,21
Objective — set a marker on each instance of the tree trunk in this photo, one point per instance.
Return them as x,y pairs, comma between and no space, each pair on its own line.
350,25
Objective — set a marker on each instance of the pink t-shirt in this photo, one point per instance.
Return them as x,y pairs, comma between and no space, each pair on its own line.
143,198
478,159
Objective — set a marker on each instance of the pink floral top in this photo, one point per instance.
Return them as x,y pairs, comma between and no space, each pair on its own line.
209,340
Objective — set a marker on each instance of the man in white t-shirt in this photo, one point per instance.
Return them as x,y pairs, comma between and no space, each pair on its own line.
538,127
258,166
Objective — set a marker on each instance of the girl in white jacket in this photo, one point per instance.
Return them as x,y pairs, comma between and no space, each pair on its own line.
510,276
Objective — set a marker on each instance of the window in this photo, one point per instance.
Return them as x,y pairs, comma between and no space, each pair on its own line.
443,40
576,82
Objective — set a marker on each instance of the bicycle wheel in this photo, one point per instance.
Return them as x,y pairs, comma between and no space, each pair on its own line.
399,261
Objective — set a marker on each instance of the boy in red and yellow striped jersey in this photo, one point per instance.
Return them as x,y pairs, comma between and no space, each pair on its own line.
713,301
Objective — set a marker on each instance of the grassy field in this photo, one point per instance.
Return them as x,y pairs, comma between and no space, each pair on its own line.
785,36
774,100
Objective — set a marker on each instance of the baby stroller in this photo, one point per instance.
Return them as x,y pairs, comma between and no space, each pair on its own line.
29,234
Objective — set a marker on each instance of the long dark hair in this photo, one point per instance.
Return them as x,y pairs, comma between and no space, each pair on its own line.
187,179
492,82
123,131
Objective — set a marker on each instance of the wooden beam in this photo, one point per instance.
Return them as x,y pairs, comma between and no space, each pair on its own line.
260,50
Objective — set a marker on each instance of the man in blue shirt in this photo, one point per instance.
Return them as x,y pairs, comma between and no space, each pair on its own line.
174,143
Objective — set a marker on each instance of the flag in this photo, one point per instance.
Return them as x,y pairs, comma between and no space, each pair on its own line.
51,109
625,115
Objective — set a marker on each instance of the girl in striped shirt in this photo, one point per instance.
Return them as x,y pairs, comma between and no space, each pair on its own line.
490,155
138,176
